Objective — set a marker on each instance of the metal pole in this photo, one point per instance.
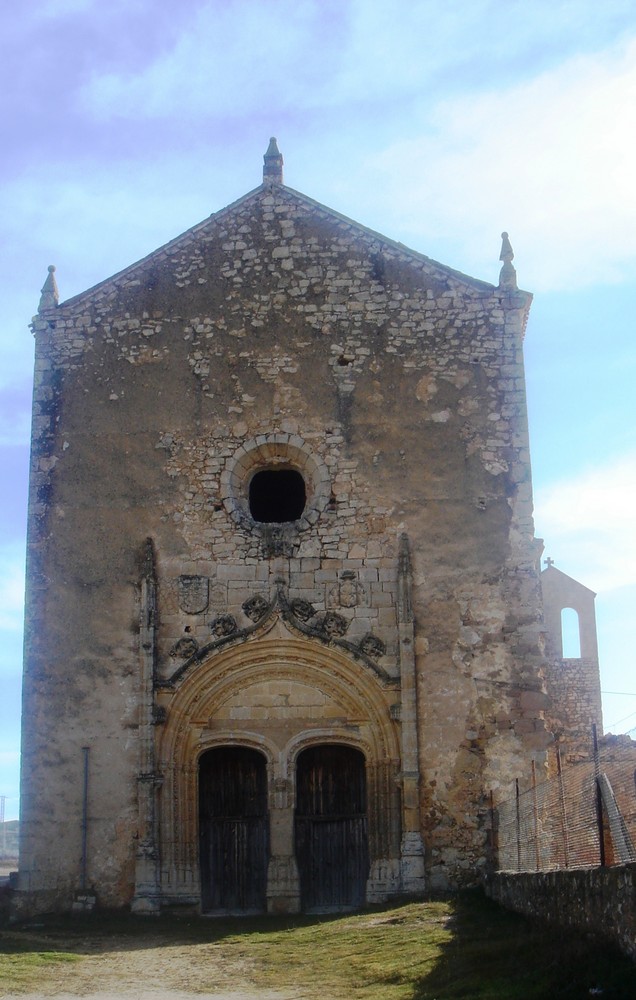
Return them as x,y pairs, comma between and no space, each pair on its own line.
86,752
494,840
599,799
564,815
535,817
518,824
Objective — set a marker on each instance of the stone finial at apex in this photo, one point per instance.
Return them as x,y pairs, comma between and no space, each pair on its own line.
273,164
50,295
507,275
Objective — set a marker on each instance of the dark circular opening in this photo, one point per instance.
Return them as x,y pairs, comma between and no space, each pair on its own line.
277,496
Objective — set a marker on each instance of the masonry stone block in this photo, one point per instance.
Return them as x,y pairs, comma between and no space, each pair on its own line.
277,337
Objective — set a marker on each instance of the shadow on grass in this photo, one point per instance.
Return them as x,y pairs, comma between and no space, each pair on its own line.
99,932
493,954
462,948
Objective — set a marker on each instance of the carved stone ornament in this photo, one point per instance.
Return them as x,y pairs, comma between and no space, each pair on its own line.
159,715
348,592
194,594
301,609
371,646
146,848
185,647
333,624
255,607
277,539
223,625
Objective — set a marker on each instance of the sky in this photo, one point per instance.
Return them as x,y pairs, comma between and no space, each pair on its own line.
439,123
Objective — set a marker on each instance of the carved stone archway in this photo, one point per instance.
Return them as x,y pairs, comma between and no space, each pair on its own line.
276,692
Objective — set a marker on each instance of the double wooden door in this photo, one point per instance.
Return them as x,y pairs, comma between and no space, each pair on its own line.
330,829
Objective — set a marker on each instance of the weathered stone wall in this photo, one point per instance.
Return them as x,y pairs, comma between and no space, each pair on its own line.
277,334
598,901
618,762
574,689
573,684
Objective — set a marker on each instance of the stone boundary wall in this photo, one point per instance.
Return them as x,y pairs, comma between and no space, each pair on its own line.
598,901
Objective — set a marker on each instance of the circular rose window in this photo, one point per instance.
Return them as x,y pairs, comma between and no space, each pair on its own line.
275,479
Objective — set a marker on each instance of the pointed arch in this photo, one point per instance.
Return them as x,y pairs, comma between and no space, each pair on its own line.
275,693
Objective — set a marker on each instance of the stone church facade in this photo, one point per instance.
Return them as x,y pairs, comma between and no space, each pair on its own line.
284,618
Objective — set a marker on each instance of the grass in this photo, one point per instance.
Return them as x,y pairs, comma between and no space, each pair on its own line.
466,947
22,970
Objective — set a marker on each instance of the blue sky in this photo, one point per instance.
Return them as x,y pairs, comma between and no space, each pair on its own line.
438,123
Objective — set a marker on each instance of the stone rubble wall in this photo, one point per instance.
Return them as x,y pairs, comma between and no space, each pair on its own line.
574,689
596,901
400,384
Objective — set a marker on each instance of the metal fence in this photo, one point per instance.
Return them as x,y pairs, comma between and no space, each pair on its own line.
581,815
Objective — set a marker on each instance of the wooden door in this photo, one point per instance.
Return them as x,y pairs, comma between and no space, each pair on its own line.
233,829
331,828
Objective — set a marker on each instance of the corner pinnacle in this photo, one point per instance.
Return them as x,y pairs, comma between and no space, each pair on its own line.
50,295
273,164
507,275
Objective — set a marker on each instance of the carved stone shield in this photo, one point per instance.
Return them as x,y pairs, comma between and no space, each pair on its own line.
348,592
194,594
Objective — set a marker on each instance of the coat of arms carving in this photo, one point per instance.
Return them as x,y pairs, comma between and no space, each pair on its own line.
348,592
194,594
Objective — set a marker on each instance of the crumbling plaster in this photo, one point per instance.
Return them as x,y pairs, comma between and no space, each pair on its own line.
281,326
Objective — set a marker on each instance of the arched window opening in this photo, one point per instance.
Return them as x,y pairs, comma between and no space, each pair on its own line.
570,634
277,496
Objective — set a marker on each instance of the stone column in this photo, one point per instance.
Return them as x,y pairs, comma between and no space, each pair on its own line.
412,848
146,898
283,882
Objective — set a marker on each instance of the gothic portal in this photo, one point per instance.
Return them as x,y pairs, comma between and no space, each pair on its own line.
284,626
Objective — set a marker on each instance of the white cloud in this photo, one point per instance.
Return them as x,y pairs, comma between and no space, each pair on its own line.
234,58
229,58
52,9
552,161
11,587
549,159
589,526
89,226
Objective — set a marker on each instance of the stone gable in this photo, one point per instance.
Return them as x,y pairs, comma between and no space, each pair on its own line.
398,613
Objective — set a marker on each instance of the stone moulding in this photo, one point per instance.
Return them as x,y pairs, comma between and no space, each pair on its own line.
313,628
268,451
194,726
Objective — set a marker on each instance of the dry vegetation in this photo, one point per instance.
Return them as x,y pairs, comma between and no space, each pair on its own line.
465,948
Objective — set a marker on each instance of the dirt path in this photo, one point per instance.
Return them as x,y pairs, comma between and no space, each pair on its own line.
148,970
160,994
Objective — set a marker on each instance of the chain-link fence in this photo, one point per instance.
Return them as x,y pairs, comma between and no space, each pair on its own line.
581,816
